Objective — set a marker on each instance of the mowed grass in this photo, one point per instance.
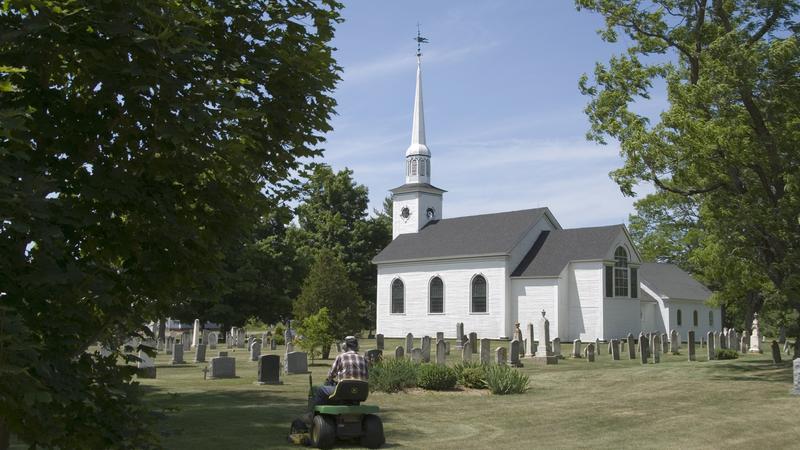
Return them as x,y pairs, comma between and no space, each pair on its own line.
742,403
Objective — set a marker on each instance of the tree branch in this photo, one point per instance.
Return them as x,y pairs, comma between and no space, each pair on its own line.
770,22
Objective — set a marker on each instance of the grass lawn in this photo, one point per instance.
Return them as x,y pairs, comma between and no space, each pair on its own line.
742,403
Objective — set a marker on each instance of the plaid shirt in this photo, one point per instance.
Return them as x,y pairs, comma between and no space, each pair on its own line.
349,366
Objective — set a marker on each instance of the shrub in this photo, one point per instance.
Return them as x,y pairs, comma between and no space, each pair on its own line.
503,380
459,367
392,375
473,377
436,377
277,334
726,353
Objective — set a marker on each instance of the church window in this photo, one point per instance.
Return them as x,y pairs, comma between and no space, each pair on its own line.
414,166
634,282
609,281
479,294
436,296
680,319
422,167
428,166
620,273
694,318
408,168
398,297
711,318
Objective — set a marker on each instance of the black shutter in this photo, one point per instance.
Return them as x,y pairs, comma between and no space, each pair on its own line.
609,281
634,282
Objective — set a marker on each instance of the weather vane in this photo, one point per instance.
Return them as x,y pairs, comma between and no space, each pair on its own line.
420,40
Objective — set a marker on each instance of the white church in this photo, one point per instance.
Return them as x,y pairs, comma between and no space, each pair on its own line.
491,271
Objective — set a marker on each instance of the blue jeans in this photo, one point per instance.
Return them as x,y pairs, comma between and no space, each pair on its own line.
321,394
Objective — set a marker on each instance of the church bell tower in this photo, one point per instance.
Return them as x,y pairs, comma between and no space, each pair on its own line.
416,202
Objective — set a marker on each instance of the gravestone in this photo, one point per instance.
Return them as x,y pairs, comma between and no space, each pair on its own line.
473,339
796,371
712,351
379,341
177,353
776,352
373,356
500,353
186,340
409,343
426,349
269,369
441,351
631,347
723,339
296,362
196,333
399,353
733,342
615,349
146,367
590,352
755,336
515,353
544,354
717,340
643,348
655,349
223,366
609,346
242,336
466,351
690,345
556,348
531,339
439,336
744,344
485,351
213,340
459,335
576,348
447,348
200,352
597,347
273,345
255,350
170,344
673,342
664,343
416,355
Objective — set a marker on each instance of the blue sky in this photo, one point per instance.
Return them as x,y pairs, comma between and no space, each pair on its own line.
504,118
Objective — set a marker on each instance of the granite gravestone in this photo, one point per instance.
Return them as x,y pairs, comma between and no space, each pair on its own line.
615,349
690,346
576,348
399,353
177,353
213,340
379,341
556,348
515,353
673,342
426,349
459,335
416,355
531,339
711,350
590,352
473,340
656,349
544,354
409,343
485,351
223,366
441,352
200,352
296,363
255,350
373,356
755,336
269,369
500,353
643,348
466,351
631,347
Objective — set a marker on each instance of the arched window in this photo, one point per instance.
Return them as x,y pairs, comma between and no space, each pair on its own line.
414,166
479,294
694,318
422,167
428,166
436,300
711,318
620,272
680,319
398,297
408,168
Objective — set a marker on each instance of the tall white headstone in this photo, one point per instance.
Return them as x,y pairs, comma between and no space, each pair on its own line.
755,337
544,354
196,333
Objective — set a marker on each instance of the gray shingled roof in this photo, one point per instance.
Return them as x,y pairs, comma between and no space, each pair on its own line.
484,234
555,249
669,280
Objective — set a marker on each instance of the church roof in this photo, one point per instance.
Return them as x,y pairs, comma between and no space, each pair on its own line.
555,249
670,281
485,234
414,187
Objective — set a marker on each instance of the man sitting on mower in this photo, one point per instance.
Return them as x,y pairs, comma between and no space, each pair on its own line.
349,365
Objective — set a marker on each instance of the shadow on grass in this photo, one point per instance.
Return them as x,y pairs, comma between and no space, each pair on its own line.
754,370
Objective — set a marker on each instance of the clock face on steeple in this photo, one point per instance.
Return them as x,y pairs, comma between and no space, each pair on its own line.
405,213
431,213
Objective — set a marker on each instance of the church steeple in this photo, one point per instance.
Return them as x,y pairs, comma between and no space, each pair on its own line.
418,156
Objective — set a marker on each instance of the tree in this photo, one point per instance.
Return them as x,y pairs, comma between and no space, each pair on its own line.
329,286
334,216
728,139
139,141
317,331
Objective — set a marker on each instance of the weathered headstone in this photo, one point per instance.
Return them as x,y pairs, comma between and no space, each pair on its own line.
515,353
213,340
223,366
556,348
416,355
296,362
196,333
186,341
531,339
379,341
373,356
590,352
177,353
473,339
598,350
269,369
426,349
544,354
796,371
723,339
399,353
690,345
732,341
255,350
170,344
755,336
485,351
655,348
466,351
664,343
500,353
631,347
439,336
576,348
776,352
615,349
643,348
712,352
447,348
459,335
441,351
609,346
200,352
409,343
673,341
146,367
744,344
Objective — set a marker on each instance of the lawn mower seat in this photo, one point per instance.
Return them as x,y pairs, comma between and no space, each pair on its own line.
349,392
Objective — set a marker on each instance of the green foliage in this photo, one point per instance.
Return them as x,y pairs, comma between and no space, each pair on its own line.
473,377
141,142
436,377
317,331
726,353
502,380
328,286
725,149
277,334
393,375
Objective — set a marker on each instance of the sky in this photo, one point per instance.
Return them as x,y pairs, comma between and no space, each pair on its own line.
503,114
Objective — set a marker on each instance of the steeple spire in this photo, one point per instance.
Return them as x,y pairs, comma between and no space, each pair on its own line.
417,155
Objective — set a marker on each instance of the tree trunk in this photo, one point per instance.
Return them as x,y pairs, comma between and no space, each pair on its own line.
797,340
162,330
326,350
5,435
